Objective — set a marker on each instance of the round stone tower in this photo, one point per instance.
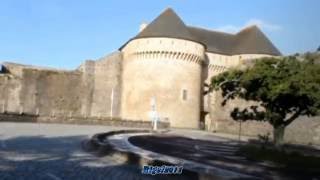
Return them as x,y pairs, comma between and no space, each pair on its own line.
164,63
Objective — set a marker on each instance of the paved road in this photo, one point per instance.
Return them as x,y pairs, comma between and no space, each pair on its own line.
53,152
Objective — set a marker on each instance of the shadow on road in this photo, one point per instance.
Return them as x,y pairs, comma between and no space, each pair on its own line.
41,157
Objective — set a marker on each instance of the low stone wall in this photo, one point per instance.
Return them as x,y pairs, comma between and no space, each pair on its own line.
107,121
251,128
17,117
304,130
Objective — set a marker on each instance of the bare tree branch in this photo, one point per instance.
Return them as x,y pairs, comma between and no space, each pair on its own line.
292,118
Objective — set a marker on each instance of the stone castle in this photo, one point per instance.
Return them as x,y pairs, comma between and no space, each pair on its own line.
167,61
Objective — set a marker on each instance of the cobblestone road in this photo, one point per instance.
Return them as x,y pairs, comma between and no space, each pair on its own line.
53,152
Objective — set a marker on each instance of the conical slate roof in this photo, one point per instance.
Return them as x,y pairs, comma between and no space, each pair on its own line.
250,40
168,24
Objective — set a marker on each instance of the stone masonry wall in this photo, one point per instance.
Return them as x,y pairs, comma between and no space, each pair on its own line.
302,131
107,84
83,92
55,93
168,71
9,93
40,91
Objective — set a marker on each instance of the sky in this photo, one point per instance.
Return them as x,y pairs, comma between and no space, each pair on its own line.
65,33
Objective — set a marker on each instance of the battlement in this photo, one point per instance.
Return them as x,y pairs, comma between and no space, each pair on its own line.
169,55
165,49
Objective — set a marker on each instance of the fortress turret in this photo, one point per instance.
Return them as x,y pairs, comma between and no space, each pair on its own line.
163,61
171,62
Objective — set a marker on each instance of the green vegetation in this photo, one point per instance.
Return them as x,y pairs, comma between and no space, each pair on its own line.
283,89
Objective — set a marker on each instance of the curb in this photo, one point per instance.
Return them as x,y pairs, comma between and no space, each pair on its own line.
104,148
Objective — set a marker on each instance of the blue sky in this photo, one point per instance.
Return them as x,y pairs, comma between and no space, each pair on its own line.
64,33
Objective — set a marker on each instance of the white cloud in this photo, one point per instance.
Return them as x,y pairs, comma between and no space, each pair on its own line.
266,26
229,28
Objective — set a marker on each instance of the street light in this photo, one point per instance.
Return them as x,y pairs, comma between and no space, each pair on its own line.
154,114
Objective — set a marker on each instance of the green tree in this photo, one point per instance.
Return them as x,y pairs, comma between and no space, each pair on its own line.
283,89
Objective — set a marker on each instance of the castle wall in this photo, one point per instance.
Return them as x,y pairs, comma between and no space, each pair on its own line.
163,68
43,92
10,87
218,63
54,93
107,84
88,72
304,130
47,92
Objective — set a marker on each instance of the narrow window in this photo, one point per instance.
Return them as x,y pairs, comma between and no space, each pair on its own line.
184,94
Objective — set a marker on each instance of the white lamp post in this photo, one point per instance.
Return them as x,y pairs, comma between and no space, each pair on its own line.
111,105
154,114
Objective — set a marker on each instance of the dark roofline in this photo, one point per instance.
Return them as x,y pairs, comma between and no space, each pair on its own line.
247,28
214,41
255,30
211,30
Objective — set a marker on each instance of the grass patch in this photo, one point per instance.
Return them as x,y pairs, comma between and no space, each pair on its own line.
290,161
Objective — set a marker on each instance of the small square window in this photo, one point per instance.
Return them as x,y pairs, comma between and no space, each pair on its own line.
184,94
